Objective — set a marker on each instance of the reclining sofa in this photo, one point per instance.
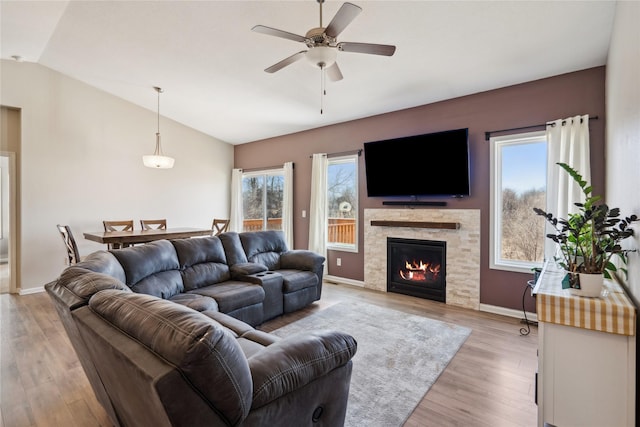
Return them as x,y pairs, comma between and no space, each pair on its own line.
148,324
251,276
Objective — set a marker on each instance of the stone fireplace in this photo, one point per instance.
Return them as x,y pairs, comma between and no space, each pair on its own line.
458,229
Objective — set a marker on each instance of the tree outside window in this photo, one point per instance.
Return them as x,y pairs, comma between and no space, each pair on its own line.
262,196
518,175
342,203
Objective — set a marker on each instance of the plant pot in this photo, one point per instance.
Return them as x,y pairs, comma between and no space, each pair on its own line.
591,284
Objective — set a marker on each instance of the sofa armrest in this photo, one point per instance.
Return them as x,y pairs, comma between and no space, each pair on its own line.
300,259
246,269
296,361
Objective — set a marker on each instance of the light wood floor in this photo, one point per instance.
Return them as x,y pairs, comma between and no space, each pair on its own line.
490,381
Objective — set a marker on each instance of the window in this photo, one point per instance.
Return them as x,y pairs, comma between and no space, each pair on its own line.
342,203
262,195
518,184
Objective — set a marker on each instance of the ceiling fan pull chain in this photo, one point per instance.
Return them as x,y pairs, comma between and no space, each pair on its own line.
322,89
324,80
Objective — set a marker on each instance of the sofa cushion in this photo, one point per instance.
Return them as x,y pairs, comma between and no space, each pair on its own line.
196,302
103,262
202,261
233,248
232,295
264,247
251,340
140,262
164,284
201,349
295,280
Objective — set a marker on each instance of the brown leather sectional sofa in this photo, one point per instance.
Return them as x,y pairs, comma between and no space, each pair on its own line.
164,333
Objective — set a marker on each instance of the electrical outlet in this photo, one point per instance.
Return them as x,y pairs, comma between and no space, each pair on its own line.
338,262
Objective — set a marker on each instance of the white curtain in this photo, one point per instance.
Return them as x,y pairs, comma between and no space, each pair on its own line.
235,223
318,205
567,142
287,204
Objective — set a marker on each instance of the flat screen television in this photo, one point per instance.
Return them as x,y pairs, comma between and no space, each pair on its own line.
434,164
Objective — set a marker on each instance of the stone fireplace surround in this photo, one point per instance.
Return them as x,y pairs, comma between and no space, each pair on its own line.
463,247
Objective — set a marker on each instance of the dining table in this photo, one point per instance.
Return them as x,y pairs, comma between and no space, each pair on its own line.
122,239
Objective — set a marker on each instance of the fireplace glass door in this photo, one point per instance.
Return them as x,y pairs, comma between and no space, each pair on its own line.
417,268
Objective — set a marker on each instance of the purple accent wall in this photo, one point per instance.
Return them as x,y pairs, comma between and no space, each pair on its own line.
581,92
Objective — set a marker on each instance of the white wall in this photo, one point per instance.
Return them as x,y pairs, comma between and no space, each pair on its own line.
623,123
82,163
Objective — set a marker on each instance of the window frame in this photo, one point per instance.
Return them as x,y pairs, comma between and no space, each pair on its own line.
263,173
344,247
495,200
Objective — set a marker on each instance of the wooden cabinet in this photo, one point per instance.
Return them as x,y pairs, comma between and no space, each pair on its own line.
586,355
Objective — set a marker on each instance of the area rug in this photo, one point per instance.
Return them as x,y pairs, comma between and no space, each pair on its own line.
399,357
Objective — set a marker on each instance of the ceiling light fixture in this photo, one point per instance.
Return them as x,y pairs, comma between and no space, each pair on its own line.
322,46
322,57
158,160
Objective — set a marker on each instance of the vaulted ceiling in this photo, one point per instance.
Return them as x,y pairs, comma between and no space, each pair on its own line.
211,65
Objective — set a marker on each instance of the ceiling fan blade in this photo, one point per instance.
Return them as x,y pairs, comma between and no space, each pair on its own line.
287,61
333,72
345,15
278,33
374,49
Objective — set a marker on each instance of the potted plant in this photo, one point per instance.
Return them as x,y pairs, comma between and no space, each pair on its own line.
589,238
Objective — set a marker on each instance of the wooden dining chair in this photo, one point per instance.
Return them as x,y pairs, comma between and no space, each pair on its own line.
126,225
153,224
219,226
73,254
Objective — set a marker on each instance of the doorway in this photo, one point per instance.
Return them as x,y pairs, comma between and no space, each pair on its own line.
9,148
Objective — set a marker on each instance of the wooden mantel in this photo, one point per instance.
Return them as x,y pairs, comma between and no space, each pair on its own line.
417,224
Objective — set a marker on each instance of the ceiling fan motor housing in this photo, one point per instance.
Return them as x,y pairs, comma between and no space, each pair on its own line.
317,37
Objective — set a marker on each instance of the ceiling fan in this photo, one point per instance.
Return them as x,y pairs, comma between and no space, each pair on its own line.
322,46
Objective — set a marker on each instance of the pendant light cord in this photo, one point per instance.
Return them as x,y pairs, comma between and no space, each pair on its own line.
159,90
158,151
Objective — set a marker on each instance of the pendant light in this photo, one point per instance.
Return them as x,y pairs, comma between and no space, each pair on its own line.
158,160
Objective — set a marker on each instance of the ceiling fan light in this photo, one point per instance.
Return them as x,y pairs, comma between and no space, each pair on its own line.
322,56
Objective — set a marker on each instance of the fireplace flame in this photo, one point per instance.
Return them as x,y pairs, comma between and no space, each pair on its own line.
420,271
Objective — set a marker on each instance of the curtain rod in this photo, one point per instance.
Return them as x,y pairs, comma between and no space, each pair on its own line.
343,153
265,168
487,135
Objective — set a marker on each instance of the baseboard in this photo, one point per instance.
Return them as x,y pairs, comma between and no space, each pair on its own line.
343,281
509,312
30,290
